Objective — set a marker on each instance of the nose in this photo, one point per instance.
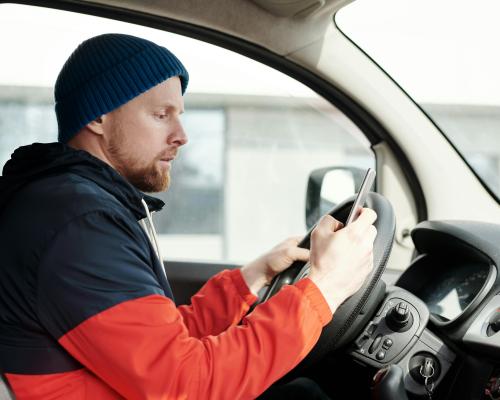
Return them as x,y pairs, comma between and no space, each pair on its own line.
178,135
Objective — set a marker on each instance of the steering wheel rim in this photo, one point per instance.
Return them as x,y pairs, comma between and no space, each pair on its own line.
350,317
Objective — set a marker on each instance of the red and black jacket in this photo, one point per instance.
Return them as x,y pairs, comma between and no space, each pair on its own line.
86,311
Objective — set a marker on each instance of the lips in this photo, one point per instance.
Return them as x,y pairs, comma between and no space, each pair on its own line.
167,158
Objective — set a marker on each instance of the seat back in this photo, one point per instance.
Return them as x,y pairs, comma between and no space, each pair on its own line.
5,392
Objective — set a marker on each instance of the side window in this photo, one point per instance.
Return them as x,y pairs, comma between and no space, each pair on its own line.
238,187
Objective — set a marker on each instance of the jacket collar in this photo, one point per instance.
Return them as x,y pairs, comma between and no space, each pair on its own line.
32,162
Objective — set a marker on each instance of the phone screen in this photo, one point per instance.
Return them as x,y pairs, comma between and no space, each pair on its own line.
359,202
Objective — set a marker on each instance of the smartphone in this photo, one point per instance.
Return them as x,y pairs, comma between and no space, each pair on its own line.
359,202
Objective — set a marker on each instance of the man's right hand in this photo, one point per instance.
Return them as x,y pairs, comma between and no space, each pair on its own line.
341,258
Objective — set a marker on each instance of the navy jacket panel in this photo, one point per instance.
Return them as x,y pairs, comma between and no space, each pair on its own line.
95,262
66,211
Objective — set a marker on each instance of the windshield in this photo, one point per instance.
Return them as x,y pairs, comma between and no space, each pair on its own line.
444,54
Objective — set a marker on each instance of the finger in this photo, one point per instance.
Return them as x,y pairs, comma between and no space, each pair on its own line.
325,224
294,240
366,218
369,238
372,233
291,241
369,265
298,254
337,225
368,260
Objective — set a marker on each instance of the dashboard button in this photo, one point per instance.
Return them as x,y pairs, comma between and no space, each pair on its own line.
361,341
375,344
387,343
370,329
380,355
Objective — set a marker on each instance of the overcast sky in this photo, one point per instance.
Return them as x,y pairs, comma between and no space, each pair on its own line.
443,51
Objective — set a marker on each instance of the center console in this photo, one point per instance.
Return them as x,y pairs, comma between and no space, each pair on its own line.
397,335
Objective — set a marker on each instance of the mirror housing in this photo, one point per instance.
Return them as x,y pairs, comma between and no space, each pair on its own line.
329,186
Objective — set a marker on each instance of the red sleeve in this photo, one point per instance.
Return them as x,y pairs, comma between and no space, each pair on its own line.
142,348
221,302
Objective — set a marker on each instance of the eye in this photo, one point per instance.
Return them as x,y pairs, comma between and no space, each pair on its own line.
161,116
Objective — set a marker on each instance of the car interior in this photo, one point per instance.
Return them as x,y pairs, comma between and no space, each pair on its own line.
425,323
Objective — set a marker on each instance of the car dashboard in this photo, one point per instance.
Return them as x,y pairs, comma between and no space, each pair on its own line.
443,314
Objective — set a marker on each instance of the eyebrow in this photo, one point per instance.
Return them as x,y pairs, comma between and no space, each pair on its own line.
169,107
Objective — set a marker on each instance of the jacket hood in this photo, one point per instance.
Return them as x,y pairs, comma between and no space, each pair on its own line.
38,160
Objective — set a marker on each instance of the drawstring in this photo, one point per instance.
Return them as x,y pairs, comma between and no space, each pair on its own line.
151,232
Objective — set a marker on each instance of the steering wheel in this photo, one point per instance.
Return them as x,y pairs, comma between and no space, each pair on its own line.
352,315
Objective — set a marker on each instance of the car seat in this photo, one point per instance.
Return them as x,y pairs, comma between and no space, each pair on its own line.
5,392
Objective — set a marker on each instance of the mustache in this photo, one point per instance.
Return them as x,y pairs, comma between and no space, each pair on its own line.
168,155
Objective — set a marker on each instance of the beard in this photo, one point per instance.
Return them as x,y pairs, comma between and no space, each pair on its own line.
149,177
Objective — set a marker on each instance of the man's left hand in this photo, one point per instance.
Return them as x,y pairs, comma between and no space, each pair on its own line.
261,271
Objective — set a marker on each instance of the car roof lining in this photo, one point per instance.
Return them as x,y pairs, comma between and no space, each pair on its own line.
242,18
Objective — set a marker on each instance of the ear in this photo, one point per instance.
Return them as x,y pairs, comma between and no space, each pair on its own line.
97,126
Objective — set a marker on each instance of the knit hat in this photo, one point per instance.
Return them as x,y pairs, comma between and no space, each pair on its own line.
105,72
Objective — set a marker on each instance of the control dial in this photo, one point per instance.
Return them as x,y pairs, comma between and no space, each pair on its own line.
399,317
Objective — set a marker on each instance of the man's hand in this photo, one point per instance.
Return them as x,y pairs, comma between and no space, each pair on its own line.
342,258
261,271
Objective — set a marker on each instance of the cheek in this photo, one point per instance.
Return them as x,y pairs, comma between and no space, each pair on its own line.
143,139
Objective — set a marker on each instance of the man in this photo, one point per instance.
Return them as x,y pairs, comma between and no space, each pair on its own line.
86,310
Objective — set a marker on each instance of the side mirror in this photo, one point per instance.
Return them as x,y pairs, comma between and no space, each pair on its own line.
328,187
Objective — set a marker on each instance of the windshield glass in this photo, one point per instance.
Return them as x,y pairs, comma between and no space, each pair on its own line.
443,54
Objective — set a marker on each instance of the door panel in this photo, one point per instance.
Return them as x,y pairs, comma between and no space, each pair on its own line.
186,278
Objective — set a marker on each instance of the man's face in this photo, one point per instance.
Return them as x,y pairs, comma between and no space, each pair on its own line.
143,136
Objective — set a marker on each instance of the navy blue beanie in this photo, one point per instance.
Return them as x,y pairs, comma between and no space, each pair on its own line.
105,72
